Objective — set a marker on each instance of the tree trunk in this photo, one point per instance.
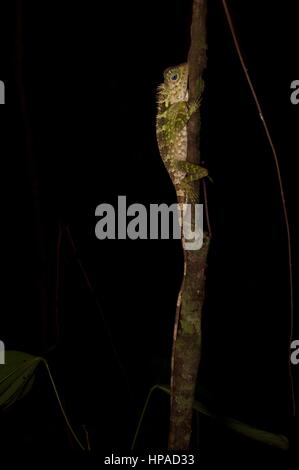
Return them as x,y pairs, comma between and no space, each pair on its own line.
187,345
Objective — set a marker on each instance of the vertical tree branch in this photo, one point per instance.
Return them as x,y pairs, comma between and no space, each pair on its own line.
197,60
187,346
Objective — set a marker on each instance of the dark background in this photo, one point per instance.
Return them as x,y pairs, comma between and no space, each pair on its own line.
79,130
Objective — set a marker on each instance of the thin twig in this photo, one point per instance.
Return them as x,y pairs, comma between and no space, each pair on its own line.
98,304
280,183
205,197
57,287
61,407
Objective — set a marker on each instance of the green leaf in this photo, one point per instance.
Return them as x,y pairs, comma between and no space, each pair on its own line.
16,380
260,435
16,376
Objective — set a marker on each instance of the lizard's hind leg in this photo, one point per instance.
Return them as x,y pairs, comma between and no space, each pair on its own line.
193,171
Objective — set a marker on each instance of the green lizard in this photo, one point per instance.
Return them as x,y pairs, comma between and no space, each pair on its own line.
173,114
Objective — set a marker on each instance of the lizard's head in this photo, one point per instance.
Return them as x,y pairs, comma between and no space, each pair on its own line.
175,86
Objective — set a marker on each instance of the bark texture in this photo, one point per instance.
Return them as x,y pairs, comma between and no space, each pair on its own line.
187,345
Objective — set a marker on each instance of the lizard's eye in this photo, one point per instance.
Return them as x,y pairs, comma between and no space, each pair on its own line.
174,77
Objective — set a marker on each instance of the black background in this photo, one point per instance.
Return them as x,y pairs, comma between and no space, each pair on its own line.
90,72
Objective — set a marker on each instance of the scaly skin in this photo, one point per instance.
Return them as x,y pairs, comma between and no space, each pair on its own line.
173,114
